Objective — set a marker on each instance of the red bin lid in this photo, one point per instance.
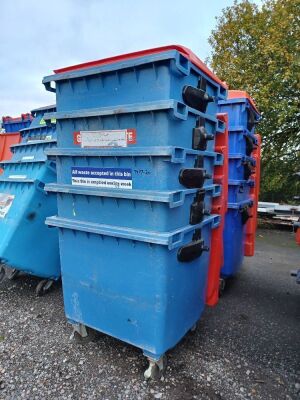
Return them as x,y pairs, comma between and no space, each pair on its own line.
242,94
123,57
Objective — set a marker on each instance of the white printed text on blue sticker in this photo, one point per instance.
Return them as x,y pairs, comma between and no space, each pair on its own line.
111,178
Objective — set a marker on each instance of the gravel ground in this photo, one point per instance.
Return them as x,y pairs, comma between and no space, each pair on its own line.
246,347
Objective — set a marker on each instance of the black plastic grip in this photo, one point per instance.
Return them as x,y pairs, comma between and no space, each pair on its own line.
249,145
198,208
200,138
193,178
196,98
248,171
251,119
191,251
245,215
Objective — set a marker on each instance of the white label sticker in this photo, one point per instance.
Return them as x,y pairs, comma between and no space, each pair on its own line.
27,158
6,201
117,138
17,176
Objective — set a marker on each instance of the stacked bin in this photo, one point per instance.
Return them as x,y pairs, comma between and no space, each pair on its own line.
15,124
219,207
135,159
6,141
251,224
243,116
26,244
11,134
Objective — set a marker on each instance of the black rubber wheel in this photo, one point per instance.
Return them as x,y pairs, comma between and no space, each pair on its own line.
2,273
12,273
43,287
222,286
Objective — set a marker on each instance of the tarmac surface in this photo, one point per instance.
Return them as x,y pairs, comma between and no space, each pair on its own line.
247,347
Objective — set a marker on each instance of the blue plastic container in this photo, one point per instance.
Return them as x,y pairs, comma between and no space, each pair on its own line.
151,168
26,244
163,123
154,77
24,170
38,114
239,190
138,209
31,151
234,237
38,129
241,142
241,114
240,167
16,124
130,283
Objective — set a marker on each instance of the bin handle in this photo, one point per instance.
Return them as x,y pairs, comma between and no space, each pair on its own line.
39,185
219,159
51,165
48,87
220,126
182,63
191,251
180,110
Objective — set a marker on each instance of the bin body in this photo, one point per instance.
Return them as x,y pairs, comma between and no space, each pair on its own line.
239,232
24,204
234,237
26,243
135,162
156,299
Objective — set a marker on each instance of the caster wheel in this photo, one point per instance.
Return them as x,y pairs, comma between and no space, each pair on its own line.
82,334
156,368
90,336
222,286
43,287
2,273
12,273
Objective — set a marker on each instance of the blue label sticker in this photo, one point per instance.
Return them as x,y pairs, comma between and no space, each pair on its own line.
116,178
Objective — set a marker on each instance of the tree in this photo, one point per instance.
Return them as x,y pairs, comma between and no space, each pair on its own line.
257,49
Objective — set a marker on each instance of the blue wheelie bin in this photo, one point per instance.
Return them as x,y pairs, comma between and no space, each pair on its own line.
234,237
15,124
243,116
24,206
135,161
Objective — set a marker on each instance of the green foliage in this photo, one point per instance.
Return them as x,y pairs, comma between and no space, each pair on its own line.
257,49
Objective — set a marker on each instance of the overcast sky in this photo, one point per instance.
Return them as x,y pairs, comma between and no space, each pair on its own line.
37,36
